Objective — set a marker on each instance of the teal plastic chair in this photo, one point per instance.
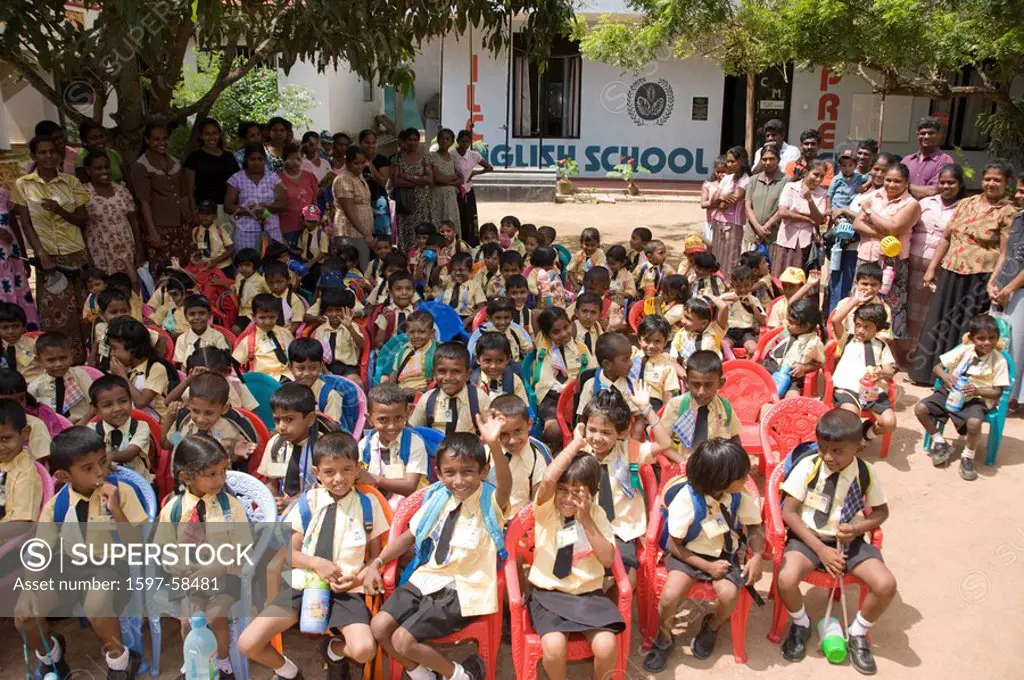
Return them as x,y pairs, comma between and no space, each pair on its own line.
564,257
262,386
996,418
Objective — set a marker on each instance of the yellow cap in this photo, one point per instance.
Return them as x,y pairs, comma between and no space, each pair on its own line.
891,246
694,244
793,275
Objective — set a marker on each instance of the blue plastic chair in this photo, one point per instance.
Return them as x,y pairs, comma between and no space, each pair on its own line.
447,321
262,386
996,418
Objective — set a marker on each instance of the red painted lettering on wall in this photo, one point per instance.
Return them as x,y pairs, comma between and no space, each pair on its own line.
475,116
828,109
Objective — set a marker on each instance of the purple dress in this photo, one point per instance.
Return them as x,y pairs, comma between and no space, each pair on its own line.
14,284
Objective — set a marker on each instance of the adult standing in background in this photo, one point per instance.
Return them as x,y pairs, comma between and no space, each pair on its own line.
936,211
66,153
810,145
314,161
413,181
728,211
971,248
802,210
249,132
1007,289
112,235
255,198
927,162
469,160
762,200
300,189
279,132
353,216
376,172
775,135
444,196
208,168
51,212
94,140
160,190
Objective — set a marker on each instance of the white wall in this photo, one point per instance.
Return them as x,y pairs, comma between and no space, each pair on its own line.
678,149
340,95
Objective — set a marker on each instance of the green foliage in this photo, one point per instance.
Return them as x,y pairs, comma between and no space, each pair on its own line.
567,167
1005,129
627,170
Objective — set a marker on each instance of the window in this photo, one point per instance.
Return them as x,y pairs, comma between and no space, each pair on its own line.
547,104
960,114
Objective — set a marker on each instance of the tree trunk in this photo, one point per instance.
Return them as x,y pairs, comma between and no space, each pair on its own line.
750,115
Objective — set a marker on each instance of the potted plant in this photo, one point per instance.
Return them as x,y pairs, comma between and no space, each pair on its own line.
567,167
627,171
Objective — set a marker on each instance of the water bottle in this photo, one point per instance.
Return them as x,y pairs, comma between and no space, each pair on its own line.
299,267
200,650
316,606
955,400
868,389
833,644
888,276
783,379
836,257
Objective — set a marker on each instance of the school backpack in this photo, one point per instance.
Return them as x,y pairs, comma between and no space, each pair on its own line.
508,380
474,404
222,500
700,510
62,501
306,513
808,449
349,392
236,419
684,406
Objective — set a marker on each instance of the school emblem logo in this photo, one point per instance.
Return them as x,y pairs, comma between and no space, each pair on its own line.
650,101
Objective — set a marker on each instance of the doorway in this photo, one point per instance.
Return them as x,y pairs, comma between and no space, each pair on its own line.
773,90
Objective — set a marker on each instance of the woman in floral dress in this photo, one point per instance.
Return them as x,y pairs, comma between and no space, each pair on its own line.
413,182
13,274
444,195
112,236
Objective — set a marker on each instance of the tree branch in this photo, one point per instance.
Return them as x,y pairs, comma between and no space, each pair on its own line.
224,80
29,72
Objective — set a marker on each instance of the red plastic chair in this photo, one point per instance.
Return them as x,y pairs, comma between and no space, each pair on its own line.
566,412
786,424
830,368
480,318
767,342
635,314
159,457
262,437
226,332
526,649
748,387
776,530
656,575
486,630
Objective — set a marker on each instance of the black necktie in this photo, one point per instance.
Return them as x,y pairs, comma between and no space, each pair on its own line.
201,510
700,428
493,385
604,495
385,455
563,558
453,416
444,541
82,511
197,345
278,350
325,539
58,396
455,296
116,437
400,322
587,341
309,246
869,353
643,367
829,492
280,313
12,357
727,545
207,247
334,344
292,483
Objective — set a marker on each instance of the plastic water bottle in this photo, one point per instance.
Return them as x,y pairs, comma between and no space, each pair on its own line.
783,379
299,267
316,605
868,389
955,400
835,258
200,650
833,644
888,276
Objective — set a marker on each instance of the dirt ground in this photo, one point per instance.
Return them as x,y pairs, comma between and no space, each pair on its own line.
956,548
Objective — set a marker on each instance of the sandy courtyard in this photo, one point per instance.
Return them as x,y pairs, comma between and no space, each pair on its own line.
956,548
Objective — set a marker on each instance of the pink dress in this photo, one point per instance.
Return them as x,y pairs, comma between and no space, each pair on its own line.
300,193
14,284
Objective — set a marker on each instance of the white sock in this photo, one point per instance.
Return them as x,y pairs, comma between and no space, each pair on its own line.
287,670
967,453
224,665
54,654
421,673
801,618
860,625
938,439
118,663
331,654
459,674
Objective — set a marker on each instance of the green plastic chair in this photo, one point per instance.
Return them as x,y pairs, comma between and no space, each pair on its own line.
262,386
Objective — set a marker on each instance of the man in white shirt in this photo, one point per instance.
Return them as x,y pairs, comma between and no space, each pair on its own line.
775,133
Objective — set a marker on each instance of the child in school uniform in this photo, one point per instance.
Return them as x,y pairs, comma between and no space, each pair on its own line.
978,370
170,316
314,244
560,359
336,532
457,536
96,282
202,506
387,320
711,521
638,240
264,350
651,365
651,269
392,263
306,365
675,292
500,315
207,411
488,234
287,461
866,353
823,508
589,256
454,405
21,490
544,280
746,316
19,351
132,357
340,334
213,360
496,373
508,235
200,332
511,264
517,288
159,297
13,387
489,277
394,456
801,350
79,462
213,242
796,285
764,287
413,366
292,308
381,249
621,284
574,545
63,387
463,294
587,319
700,413
706,278
614,354
128,440
705,321
248,284
866,284
525,461
606,427
693,245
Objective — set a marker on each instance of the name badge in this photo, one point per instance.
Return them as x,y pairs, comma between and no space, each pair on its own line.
817,501
266,346
394,471
714,526
568,535
356,533
468,539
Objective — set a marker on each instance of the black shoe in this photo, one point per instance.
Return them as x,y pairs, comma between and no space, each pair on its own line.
61,668
657,659
794,647
941,453
861,657
336,670
225,675
967,471
474,667
297,677
134,660
704,641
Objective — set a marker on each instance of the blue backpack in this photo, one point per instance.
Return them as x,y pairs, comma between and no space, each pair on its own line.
349,399
474,404
62,501
700,510
807,449
306,513
222,500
